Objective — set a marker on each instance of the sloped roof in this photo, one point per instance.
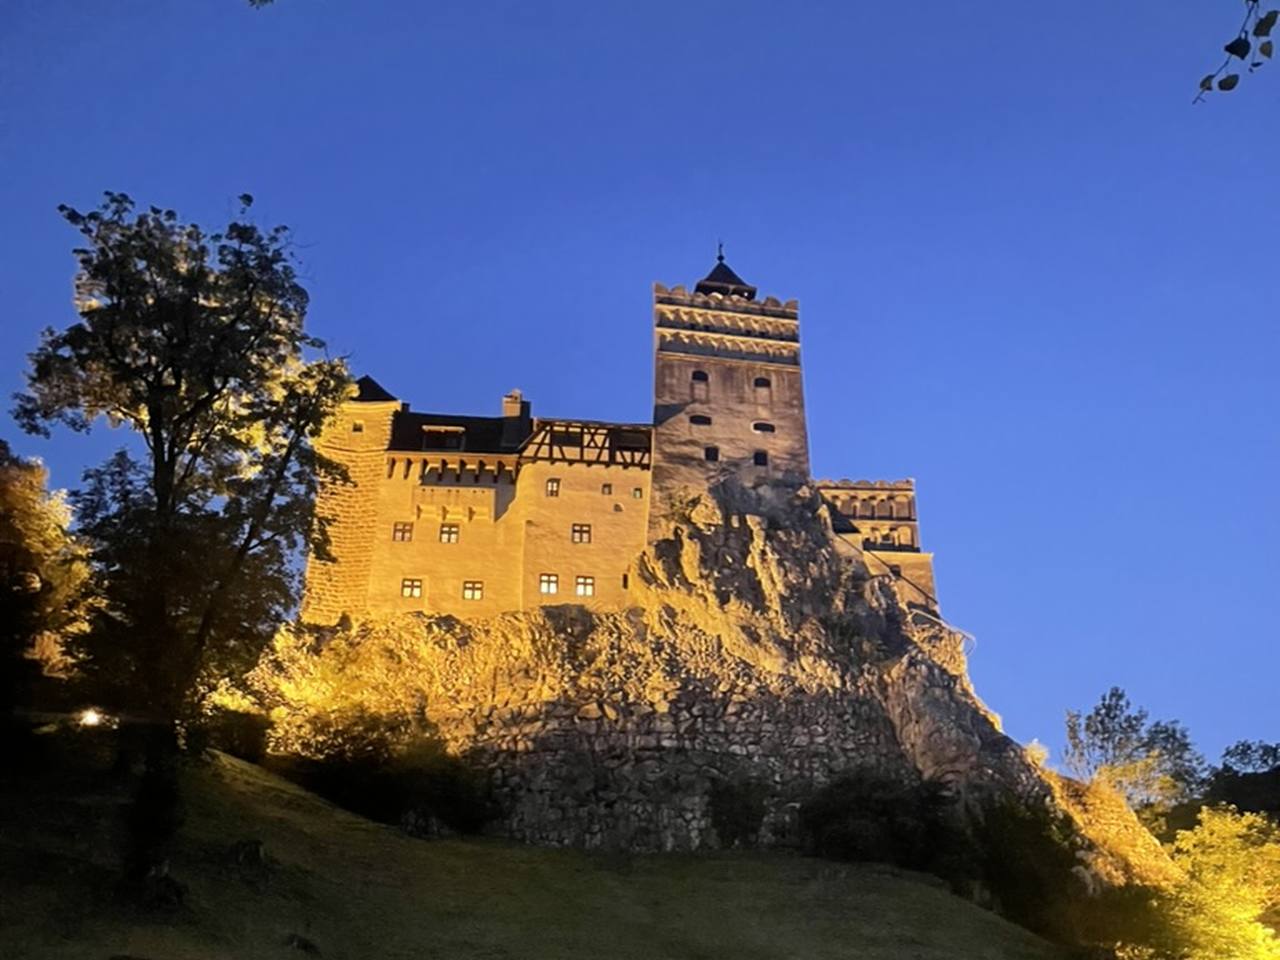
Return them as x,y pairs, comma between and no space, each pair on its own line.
724,281
370,390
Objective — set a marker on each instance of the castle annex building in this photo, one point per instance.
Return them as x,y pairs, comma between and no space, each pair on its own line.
475,516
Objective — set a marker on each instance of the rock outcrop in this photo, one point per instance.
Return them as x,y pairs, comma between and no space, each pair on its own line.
758,649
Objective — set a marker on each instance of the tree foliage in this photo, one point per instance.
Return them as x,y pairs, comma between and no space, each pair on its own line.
1153,763
194,342
1232,866
1251,756
1250,49
43,573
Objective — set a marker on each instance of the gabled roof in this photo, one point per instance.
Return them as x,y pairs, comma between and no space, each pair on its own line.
370,390
724,281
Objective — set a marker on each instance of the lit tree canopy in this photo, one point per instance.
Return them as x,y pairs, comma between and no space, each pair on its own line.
195,342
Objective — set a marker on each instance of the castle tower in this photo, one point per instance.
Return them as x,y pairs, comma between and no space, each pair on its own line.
728,396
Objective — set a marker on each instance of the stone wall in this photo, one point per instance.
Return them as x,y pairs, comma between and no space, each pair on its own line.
757,648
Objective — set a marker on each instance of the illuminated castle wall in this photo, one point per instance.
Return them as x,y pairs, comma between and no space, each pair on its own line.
474,516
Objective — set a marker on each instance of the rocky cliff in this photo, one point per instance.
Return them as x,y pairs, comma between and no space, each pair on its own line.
759,650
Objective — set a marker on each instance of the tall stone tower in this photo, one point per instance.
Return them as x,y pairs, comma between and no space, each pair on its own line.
728,396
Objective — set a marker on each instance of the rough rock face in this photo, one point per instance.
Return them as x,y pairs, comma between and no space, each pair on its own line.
758,649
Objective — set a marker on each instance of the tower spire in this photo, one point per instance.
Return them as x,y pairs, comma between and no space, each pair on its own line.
724,281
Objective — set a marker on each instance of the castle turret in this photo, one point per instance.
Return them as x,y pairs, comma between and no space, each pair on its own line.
728,395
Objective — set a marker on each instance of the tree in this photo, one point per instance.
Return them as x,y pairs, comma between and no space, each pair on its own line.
1232,866
195,343
1255,28
1251,756
1152,763
43,575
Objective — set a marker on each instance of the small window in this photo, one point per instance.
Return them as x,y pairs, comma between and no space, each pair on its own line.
760,458
761,426
763,382
472,589
637,493
700,420
624,581
606,489
580,533
448,533
566,438
402,532
895,570
410,588
553,487
699,386
711,453
548,583
442,439
585,586
357,426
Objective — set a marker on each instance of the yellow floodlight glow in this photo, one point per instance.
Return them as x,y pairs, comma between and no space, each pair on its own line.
90,717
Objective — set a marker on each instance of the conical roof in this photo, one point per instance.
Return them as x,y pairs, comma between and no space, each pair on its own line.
724,281
370,390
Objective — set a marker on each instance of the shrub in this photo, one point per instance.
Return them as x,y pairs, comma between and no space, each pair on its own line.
737,809
387,771
867,817
236,732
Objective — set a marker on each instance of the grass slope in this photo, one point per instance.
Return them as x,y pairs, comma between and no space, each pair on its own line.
355,889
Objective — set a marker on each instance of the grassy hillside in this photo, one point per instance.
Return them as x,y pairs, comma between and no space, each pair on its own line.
359,890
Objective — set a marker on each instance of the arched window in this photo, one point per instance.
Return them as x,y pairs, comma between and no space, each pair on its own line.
699,385
761,426
700,420
763,382
884,508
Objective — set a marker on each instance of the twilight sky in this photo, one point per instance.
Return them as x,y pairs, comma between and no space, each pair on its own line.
1031,274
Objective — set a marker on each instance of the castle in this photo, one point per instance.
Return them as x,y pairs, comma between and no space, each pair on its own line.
475,516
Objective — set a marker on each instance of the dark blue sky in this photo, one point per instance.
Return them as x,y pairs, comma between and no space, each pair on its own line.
1031,275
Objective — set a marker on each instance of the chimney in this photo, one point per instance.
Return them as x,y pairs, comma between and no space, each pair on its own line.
516,421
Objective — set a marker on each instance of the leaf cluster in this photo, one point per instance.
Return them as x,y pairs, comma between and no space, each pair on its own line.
1252,45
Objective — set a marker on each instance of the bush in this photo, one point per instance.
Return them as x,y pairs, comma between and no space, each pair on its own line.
388,774
868,817
737,809
236,732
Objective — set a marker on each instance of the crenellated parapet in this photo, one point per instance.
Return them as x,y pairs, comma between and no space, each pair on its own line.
727,303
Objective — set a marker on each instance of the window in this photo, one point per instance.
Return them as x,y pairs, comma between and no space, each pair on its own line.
410,588
763,390
553,487
700,420
442,439
448,533
760,458
548,583
699,385
761,426
624,581
357,426
585,586
402,531
580,533
566,438
711,453
637,493
606,489
895,570
472,589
